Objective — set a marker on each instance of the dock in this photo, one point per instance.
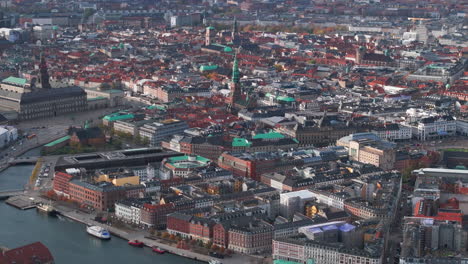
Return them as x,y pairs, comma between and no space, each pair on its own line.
9,193
21,202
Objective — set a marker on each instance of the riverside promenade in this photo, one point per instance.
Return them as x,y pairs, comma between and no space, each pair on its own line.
88,219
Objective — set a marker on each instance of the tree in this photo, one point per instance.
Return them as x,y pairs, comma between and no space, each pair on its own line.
208,245
172,237
214,247
88,12
116,85
165,235
105,86
145,141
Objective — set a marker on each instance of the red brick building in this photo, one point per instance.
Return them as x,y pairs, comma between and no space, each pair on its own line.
88,136
101,197
179,224
249,166
62,183
252,239
221,235
201,229
135,191
156,215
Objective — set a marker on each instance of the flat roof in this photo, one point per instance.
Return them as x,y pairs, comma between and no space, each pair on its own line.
302,194
15,80
96,98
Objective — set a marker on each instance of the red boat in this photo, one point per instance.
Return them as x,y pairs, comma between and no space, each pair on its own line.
159,250
136,243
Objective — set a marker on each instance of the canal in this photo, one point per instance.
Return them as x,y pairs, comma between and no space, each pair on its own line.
66,239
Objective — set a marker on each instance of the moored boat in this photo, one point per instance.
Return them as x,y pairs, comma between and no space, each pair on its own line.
159,250
214,261
98,232
46,208
136,243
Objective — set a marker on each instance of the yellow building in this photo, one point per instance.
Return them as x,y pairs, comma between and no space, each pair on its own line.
119,180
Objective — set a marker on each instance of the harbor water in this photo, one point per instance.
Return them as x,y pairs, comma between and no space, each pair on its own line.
66,239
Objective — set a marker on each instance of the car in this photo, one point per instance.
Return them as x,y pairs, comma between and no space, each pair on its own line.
216,255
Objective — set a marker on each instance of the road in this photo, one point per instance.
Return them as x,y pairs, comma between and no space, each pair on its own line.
43,136
439,144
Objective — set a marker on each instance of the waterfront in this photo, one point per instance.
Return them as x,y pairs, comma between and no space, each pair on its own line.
67,240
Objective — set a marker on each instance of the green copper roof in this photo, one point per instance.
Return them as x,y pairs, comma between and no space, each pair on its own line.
185,162
15,80
269,135
241,142
156,106
280,261
226,48
208,67
96,98
235,70
210,28
285,99
111,91
118,116
55,142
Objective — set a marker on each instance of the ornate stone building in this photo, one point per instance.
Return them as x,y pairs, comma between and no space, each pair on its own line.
30,103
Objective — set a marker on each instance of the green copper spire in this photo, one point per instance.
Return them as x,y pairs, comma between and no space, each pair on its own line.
235,70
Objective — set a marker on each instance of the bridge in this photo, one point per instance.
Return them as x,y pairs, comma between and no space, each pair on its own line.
23,161
9,193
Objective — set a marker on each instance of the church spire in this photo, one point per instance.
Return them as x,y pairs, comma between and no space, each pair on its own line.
235,70
234,32
44,78
234,85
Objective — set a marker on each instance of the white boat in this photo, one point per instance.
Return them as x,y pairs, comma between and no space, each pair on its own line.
214,261
46,208
98,232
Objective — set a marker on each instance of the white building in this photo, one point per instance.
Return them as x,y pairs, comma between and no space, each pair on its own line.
158,131
314,252
293,202
394,132
329,199
128,211
462,127
434,127
8,134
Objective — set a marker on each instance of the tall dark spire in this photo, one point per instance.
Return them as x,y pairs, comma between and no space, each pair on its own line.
44,78
234,32
234,85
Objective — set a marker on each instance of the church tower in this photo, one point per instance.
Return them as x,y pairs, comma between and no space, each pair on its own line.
44,75
209,35
359,55
234,32
234,85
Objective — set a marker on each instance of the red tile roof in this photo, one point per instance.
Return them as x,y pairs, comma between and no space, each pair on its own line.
28,254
